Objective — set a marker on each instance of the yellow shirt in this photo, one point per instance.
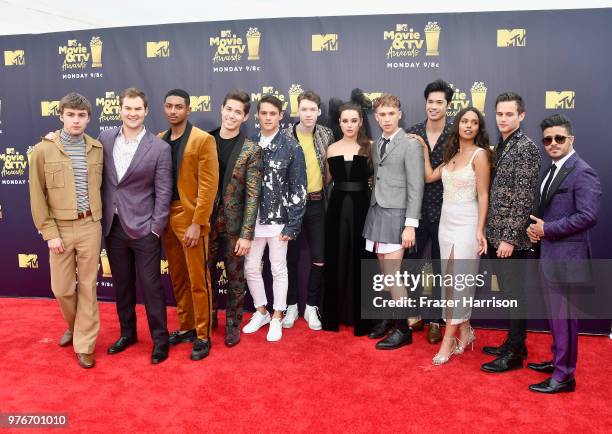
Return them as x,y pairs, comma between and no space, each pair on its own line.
313,171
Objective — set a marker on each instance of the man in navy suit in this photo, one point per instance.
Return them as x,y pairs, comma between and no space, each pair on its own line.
136,193
568,202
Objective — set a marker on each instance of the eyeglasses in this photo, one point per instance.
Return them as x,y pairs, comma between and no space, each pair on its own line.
558,139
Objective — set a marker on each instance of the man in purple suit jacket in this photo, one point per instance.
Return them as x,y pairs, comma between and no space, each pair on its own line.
568,201
136,193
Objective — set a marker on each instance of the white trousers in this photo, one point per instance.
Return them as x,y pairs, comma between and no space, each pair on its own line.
277,253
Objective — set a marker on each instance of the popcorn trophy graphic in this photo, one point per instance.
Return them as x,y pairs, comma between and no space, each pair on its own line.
106,269
253,38
96,52
479,95
432,38
294,91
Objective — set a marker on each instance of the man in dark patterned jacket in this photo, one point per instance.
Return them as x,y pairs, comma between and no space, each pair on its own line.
281,209
235,211
314,140
434,131
511,197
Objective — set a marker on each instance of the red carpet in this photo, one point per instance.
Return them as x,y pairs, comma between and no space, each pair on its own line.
309,381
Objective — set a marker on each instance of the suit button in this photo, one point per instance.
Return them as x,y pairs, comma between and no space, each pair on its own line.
380,165
378,178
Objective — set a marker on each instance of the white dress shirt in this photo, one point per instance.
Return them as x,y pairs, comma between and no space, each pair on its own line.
124,151
559,164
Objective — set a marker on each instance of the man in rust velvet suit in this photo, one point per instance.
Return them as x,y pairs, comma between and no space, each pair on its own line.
195,176
233,222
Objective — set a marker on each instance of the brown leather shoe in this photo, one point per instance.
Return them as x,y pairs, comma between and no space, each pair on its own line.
417,326
434,334
86,360
66,339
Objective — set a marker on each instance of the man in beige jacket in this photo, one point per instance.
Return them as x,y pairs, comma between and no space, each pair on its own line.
65,180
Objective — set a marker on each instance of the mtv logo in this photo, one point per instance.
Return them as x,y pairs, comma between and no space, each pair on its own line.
158,49
49,108
226,33
163,266
327,42
28,260
401,27
563,100
199,103
14,58
511,37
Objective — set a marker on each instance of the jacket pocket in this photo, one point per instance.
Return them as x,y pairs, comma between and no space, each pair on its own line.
54,175
95,174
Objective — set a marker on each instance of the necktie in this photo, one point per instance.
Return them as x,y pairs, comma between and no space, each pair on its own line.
383,147
551,174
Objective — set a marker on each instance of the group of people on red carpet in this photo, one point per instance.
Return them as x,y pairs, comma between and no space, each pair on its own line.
438,187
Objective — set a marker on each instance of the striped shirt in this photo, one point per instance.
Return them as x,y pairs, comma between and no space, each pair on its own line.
74,146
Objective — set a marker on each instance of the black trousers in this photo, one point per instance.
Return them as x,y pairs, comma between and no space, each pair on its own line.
511,279
425,233
313,231
140,257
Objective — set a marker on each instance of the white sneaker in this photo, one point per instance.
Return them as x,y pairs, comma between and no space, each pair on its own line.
258,320
311,315
275,333
291,314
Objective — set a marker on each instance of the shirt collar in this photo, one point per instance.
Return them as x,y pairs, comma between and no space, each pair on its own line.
562,161
514,133
392,135
137,139
264,141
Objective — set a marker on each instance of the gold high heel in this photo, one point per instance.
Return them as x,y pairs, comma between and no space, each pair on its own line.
439,359
461,346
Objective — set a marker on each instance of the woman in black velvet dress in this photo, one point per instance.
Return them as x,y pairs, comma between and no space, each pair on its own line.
350,166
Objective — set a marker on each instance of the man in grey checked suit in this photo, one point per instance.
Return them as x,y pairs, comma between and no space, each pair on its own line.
395,205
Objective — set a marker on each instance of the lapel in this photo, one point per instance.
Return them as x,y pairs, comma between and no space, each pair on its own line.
182,144
512,141
563,172
538,195
231,163
109,159
143,147
392,144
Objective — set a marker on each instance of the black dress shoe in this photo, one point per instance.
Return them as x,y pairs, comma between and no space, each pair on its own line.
176,337
503,349
546,367
551,385
121,344
232,336
201,349
507,362
380,329
160,353
396,339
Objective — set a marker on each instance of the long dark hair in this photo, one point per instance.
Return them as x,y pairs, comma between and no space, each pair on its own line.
364,142
451,147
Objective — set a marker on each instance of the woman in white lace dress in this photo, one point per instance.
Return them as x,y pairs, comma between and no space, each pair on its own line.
465,176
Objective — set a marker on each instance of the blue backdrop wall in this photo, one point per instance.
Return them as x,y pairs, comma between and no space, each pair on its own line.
558,61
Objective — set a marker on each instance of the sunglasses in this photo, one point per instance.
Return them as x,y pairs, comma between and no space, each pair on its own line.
558,139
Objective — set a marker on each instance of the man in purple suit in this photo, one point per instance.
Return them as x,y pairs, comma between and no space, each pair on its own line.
136,193
568,201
